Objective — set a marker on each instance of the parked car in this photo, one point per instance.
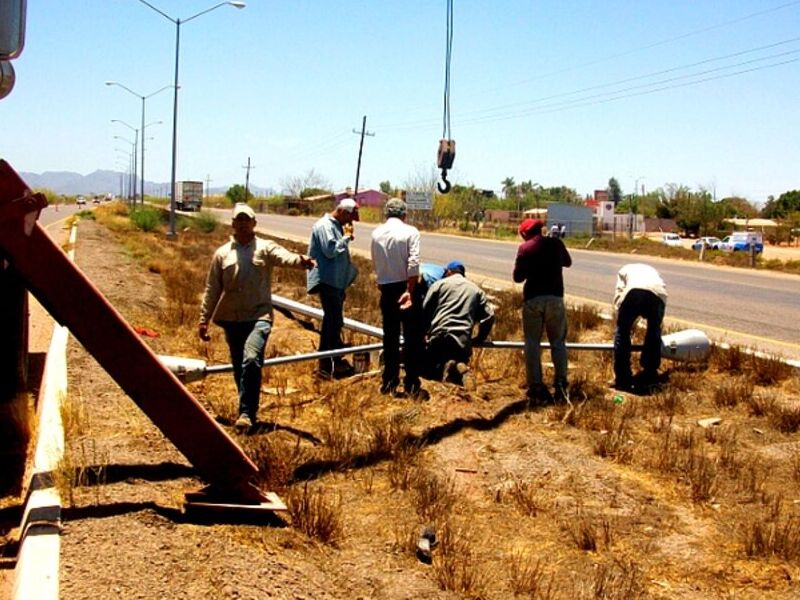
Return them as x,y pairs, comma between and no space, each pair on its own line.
80,201
671,239
711,243
740,241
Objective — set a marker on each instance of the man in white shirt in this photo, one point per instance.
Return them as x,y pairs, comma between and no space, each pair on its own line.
395,254
640,292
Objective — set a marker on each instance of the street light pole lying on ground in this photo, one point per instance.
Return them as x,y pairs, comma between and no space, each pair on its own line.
689,345
171,233
143,98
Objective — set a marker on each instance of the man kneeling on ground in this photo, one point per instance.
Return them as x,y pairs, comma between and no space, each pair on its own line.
452,307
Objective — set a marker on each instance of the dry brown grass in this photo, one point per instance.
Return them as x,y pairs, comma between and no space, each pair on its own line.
785,419
588,532
457,566
528,577
731,392
769,531
618,579
316,513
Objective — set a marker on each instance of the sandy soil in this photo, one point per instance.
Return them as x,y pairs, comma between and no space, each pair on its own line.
525,483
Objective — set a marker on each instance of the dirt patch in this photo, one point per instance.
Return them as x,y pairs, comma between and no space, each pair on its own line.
611,497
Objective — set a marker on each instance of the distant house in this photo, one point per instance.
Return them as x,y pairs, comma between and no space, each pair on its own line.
368,197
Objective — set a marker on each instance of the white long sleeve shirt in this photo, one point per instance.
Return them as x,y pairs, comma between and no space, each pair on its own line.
638,276
395,251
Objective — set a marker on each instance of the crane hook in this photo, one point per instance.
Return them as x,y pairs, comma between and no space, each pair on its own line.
443,189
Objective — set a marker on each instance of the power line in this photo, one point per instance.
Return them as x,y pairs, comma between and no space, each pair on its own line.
632,51
498,109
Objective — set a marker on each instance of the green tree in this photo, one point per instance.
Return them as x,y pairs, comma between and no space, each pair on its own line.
614,191
509,188
236,193
386,187
786,204
735,206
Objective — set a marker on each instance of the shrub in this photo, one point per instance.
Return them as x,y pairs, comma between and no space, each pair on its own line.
146,218
205,221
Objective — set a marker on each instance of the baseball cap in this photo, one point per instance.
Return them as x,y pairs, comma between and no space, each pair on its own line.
350,206
395,208
530,226
240,208
456,265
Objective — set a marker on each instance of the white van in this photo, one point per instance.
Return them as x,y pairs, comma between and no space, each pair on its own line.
671,239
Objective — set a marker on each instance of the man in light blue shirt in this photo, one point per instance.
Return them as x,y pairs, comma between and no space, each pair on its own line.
330,247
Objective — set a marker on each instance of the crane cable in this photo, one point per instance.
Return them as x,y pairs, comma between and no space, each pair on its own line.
447,147
447,57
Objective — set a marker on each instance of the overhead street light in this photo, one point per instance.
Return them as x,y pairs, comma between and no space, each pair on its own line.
171,233
143,98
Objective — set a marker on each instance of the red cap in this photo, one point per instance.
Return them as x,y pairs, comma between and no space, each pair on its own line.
530,227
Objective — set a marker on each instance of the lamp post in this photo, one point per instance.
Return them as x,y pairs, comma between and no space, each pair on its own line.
143,98
171,233
128,168
134,145
634,196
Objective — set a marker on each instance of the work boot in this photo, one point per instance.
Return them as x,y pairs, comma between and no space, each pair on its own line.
389,387
455,372
538,394
343,369
561,392
415,392
243,423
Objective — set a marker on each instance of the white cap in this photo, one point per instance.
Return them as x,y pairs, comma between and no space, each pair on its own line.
240,208
347,204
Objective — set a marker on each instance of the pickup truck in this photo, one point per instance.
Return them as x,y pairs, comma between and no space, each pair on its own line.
741,241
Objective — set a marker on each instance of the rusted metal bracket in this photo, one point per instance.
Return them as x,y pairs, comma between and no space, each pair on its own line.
73,301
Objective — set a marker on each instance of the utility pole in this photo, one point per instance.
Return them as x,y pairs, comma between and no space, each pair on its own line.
208,185
363,132
248,166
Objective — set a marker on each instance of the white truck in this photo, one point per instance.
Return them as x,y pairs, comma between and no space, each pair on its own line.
188,195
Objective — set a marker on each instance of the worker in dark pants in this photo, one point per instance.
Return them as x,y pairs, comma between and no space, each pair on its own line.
640,292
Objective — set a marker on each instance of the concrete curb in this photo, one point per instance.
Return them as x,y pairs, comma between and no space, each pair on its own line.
37,571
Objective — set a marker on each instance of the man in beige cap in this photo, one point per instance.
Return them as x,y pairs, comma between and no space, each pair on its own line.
238,297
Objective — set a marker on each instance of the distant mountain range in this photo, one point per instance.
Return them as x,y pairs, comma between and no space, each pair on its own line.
103,182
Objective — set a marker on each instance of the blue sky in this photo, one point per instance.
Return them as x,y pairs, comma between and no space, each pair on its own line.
561,92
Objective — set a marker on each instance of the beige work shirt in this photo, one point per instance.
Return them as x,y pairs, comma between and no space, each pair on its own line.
239,282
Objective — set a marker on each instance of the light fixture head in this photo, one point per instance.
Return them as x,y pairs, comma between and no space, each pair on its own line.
238,4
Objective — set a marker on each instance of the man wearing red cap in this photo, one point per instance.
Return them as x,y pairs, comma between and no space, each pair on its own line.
539,263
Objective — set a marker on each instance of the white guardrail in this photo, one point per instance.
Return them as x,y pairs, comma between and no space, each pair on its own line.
37,569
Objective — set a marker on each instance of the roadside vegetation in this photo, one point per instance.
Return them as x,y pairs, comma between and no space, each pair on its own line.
608,496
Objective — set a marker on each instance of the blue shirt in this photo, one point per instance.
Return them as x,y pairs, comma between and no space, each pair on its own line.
331,249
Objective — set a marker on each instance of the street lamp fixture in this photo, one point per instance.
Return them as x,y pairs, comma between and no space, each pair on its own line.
171,233
143,98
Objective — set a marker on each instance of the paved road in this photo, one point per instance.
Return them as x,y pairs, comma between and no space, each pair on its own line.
753,308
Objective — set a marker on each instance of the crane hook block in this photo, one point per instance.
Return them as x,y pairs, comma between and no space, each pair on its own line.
447,154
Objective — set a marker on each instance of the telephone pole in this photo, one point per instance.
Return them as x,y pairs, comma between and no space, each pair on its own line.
208,185
363,132
248,166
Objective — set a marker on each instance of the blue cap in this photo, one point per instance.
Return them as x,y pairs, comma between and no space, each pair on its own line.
456,265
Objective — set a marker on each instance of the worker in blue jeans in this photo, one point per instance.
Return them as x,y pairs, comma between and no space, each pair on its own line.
238,297
640,293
